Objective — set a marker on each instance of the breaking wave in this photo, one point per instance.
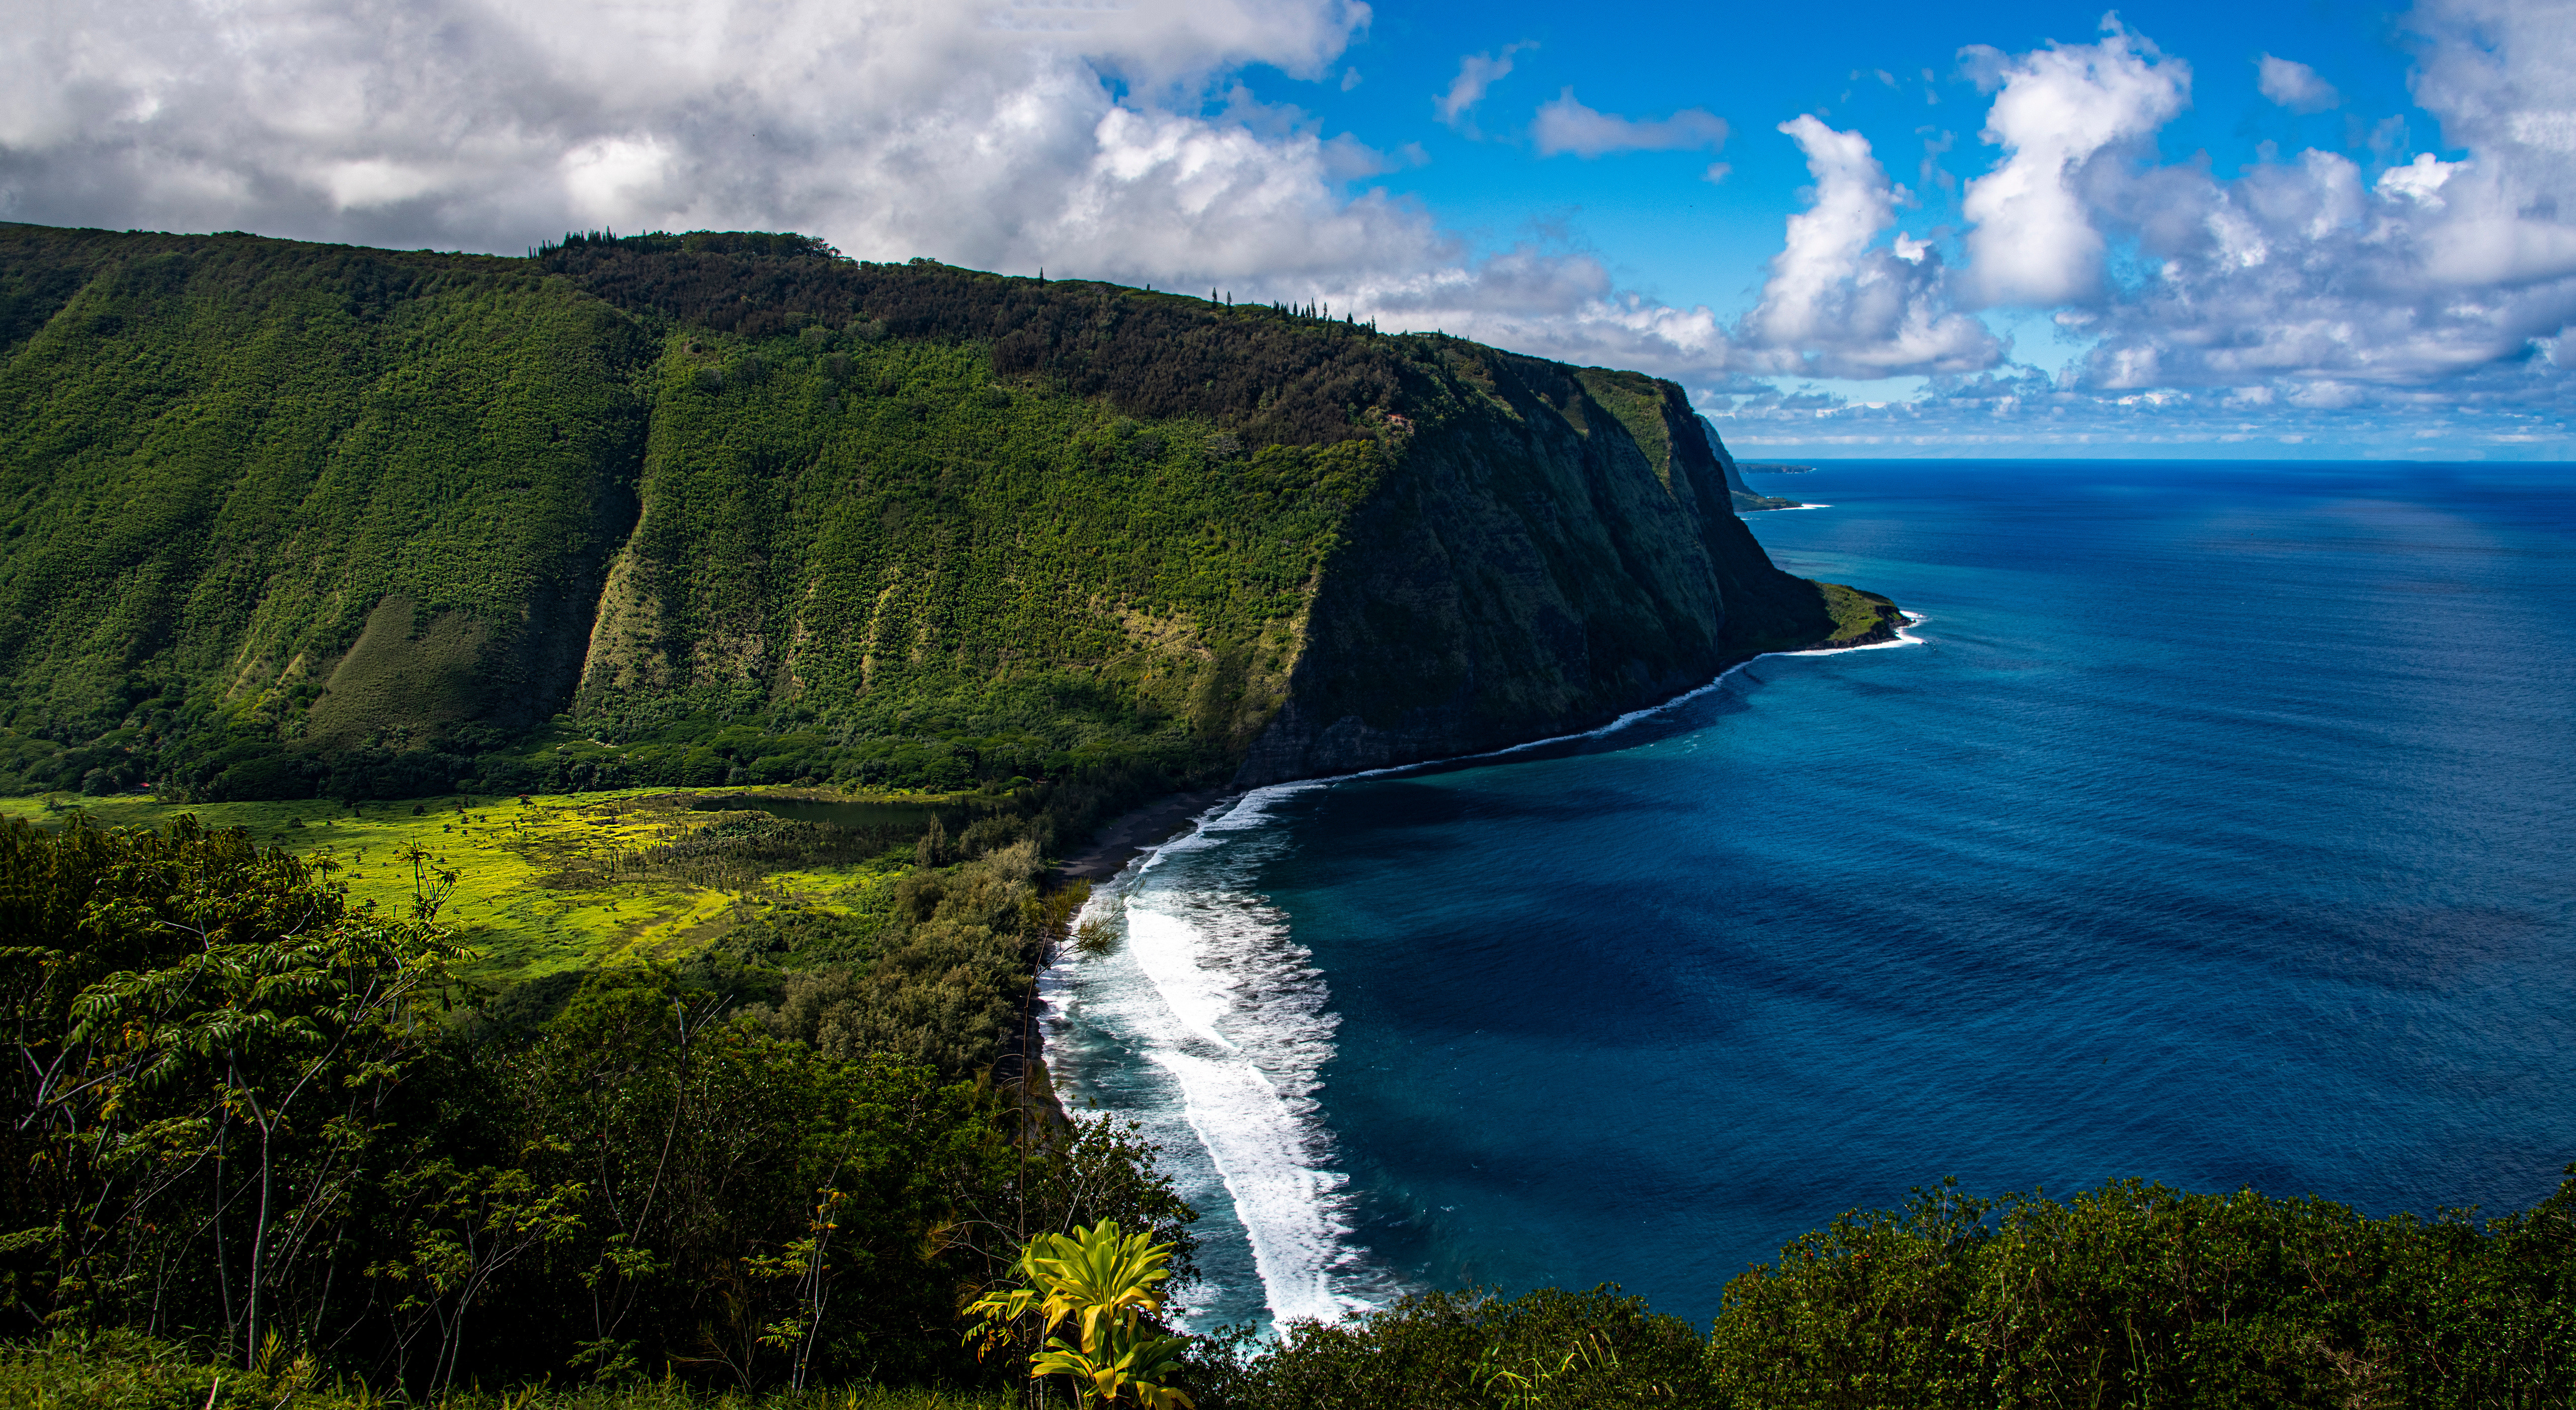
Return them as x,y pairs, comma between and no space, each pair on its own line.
1211,1027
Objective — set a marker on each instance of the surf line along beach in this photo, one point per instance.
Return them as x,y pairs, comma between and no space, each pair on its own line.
1209,1027
1138,832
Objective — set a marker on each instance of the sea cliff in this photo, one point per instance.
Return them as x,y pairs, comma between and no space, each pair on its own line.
1556,550
287,520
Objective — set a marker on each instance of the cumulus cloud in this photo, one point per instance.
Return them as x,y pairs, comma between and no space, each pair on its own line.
1565,125
2417,302
2294,85
1837,305
2437,278
999,136
1476,73
985,134
2420,180
2391,287
2058,109
1002,137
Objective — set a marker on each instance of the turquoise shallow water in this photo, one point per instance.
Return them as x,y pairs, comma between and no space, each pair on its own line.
2218,832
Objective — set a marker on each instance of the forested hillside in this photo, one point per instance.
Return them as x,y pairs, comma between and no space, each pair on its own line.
268,504
265,1150
288,520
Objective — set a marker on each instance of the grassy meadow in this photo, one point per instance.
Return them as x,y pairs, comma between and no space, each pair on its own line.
115,1371
560,882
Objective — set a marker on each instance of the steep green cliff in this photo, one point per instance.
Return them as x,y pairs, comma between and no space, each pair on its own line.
1553,548
282,519
1745,497
293,501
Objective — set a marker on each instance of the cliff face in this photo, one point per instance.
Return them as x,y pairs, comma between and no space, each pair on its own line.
1746,498
1559,551
286,519
242,476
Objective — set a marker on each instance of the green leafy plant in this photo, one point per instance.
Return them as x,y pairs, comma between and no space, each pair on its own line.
1105,1283
1124,1358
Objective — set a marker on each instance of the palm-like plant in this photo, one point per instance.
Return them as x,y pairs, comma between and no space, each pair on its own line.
1125,1357
1103,1280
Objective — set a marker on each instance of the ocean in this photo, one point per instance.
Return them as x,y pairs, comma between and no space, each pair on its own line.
2217,828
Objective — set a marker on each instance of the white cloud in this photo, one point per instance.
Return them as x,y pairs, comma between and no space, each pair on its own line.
2435,275
611,182
1476,73
988,134
2294,85
1836,306
376,182
1565,125
2307,301
2413,291
2420,180
994,136
2034,241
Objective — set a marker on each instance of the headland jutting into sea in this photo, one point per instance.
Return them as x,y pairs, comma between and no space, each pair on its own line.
531,787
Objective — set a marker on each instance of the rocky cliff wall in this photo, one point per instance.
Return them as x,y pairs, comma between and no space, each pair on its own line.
285,519
1555,552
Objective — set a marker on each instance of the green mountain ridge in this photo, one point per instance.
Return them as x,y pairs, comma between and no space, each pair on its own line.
288,520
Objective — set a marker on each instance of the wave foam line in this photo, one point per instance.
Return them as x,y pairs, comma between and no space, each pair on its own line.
1237,1018
1252,808
1241,1024
1904,637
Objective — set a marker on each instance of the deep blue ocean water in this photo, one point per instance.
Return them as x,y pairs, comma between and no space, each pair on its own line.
2220,831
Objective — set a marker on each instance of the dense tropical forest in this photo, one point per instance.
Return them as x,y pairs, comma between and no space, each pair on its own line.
264,1147
341,1075
293,521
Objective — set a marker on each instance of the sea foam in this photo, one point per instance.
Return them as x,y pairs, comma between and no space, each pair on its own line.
1223,1026
1209,994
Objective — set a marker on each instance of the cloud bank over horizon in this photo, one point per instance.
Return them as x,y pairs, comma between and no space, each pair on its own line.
2410,300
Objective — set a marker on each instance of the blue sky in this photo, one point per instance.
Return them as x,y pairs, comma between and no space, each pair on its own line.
1663,229
1865,229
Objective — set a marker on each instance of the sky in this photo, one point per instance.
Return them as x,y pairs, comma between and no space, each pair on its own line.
2018,228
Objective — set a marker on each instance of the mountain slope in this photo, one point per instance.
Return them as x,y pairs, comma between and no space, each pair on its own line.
239,474
287,519
1555,550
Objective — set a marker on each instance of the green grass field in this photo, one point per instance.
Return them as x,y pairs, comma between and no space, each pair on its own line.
119,1371
537,890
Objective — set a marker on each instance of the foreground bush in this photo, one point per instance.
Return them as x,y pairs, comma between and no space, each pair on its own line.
1464,1351
122,1371
1096,1297
241,1116
2131,1294
2138,1294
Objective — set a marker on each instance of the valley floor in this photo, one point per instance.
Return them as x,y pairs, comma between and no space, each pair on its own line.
550,884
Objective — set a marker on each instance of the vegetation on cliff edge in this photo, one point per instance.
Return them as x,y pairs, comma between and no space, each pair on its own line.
264,1130
289,520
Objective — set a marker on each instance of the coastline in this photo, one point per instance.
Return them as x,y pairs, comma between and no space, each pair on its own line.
1141,831
1229,1115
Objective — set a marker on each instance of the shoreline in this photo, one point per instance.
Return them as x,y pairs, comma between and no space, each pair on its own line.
1141,831
1134,844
